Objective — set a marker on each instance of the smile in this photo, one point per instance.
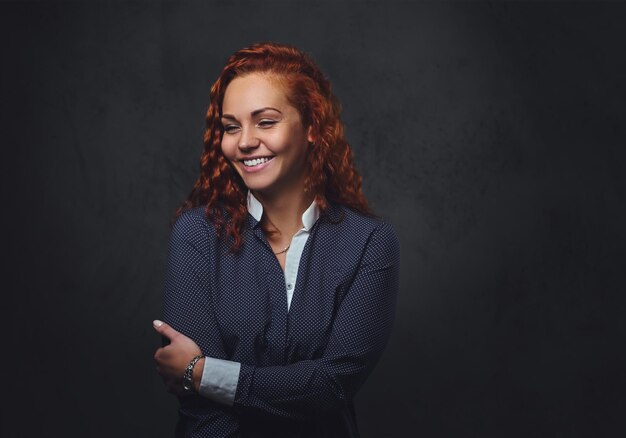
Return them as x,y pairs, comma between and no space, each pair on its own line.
256,161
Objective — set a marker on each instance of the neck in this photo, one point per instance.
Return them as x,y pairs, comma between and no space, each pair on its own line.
284,211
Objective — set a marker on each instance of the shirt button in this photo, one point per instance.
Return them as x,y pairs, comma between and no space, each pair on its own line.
289,286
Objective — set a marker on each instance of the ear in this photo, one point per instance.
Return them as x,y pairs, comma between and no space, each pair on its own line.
309,135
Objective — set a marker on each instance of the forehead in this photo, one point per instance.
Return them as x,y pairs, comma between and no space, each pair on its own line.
248,93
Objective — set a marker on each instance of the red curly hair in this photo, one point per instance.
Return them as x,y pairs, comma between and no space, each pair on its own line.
330,173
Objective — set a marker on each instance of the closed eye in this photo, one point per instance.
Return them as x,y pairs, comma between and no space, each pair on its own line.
231,129
266,123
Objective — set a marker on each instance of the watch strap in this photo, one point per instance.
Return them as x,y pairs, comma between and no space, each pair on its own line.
188,374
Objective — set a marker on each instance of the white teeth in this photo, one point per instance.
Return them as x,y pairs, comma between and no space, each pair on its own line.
255,162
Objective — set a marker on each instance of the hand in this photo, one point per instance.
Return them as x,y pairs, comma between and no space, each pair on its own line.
172,359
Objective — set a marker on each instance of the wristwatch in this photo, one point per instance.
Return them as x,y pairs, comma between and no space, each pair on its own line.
188,374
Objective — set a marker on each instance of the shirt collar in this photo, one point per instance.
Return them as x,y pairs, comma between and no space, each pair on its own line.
309,217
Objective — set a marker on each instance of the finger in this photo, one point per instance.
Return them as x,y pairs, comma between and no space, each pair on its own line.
162,354
164,329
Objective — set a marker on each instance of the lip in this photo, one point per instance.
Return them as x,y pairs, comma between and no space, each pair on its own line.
257,168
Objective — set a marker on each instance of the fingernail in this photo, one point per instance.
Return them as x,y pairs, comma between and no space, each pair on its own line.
156,323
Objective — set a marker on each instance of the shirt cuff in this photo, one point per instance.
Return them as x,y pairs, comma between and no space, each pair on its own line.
219,380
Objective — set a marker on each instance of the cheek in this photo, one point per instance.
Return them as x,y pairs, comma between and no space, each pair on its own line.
292,144
229,148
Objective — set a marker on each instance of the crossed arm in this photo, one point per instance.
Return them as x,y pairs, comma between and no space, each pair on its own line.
308,388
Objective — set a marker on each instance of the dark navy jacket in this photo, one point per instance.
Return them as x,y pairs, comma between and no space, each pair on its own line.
300,368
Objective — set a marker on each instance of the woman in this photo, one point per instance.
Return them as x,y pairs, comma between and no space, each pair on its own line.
281,285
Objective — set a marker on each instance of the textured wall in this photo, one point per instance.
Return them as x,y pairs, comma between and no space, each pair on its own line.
491,136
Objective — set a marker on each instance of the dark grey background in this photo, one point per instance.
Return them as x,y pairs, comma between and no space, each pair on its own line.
491,135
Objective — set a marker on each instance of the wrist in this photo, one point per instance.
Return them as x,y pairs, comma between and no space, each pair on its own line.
188,376
196,378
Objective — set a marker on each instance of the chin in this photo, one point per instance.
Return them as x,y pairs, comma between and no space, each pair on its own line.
257,186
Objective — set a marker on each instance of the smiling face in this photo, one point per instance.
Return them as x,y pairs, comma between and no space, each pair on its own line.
264,138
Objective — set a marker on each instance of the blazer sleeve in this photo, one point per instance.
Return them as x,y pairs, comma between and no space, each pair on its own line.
187,308
315,388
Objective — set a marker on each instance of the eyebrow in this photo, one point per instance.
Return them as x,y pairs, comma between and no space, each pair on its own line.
253,113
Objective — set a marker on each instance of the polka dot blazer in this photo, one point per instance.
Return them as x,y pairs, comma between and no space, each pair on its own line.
300,368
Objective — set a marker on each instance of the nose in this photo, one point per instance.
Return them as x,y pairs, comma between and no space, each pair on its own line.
248,140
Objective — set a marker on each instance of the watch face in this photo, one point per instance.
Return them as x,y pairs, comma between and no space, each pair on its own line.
187,383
